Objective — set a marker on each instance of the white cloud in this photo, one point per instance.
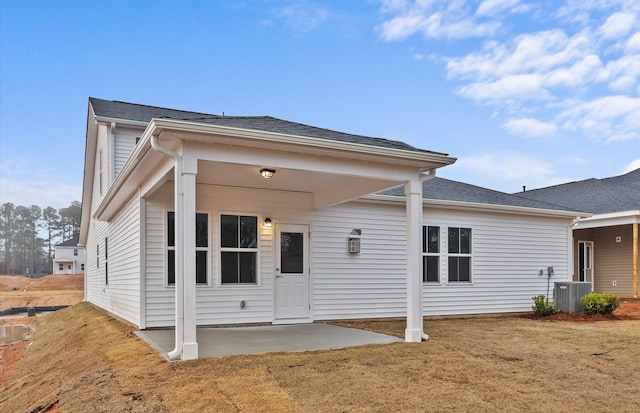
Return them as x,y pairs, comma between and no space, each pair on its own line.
505,171
303,16
609,118
492,7
25,184
632,166
617,25
433,20
531,128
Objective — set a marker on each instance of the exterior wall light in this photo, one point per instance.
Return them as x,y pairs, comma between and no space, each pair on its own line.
267,173
268,223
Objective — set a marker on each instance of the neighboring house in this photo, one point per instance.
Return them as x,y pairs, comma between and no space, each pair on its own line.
69,257
279,222
605,244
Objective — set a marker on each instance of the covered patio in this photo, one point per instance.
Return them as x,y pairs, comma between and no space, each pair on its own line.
233,341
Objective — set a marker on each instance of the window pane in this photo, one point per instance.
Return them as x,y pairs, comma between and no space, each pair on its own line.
248,267
291,252
434,239
201,267
464,269
465,240
248,232
171,227
454,240
453,269
202,230
229,231
431,269
459,269
229,263
171,267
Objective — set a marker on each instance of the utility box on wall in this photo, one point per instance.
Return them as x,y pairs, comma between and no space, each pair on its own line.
567,295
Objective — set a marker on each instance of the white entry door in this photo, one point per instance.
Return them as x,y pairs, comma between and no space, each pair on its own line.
292,272
585,261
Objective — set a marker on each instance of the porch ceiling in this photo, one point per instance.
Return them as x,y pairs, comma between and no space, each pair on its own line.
287,179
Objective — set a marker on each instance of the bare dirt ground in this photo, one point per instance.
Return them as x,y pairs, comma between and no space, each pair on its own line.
82,359
51,290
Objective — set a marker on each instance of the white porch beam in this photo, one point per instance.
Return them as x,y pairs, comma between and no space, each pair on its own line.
413,192
302,162
349,189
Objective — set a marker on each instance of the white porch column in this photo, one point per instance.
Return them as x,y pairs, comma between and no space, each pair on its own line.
190,344
413,193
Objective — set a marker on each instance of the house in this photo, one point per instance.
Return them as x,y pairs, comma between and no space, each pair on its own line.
196,219
605,244
68,257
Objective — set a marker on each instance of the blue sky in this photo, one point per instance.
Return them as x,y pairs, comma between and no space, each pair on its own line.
522,92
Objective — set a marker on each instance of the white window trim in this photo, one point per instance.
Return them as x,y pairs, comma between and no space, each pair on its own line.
452,255
433,254
220,250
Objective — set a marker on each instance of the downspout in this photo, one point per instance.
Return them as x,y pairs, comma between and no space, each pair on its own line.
430,174
179,243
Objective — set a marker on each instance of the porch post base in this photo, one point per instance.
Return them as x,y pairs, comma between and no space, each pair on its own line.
189,351
413,335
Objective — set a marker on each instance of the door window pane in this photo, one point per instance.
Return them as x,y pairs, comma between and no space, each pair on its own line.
291,253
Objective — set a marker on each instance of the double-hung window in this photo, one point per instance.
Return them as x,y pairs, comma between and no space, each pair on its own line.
430,254
106,262
238,249
202,248
459,254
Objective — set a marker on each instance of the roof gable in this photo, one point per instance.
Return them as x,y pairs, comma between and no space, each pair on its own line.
144,113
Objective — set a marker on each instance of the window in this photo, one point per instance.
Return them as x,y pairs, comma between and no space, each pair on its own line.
81,267
98,256
68,266
430,254
106,263
202,247
137,139
459,260
238,249
60,267
75,252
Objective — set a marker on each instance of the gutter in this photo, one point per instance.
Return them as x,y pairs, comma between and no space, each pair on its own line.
179,246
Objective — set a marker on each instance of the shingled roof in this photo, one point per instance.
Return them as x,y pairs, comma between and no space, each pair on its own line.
144,113
597,196
72,242
448,190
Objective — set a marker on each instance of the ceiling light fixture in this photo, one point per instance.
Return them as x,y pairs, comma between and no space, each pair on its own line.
267,173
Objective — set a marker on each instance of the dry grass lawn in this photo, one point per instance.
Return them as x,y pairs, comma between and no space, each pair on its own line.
83,360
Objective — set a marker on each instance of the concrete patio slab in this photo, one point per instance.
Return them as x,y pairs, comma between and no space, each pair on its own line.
231,341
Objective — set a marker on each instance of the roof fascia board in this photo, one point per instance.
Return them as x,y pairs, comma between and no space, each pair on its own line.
120,121
184,126
462,205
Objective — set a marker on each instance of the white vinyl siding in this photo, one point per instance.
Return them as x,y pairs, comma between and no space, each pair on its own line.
508,252
122,295
124,143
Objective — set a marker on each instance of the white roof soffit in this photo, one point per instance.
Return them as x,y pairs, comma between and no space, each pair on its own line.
117,194
462,205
